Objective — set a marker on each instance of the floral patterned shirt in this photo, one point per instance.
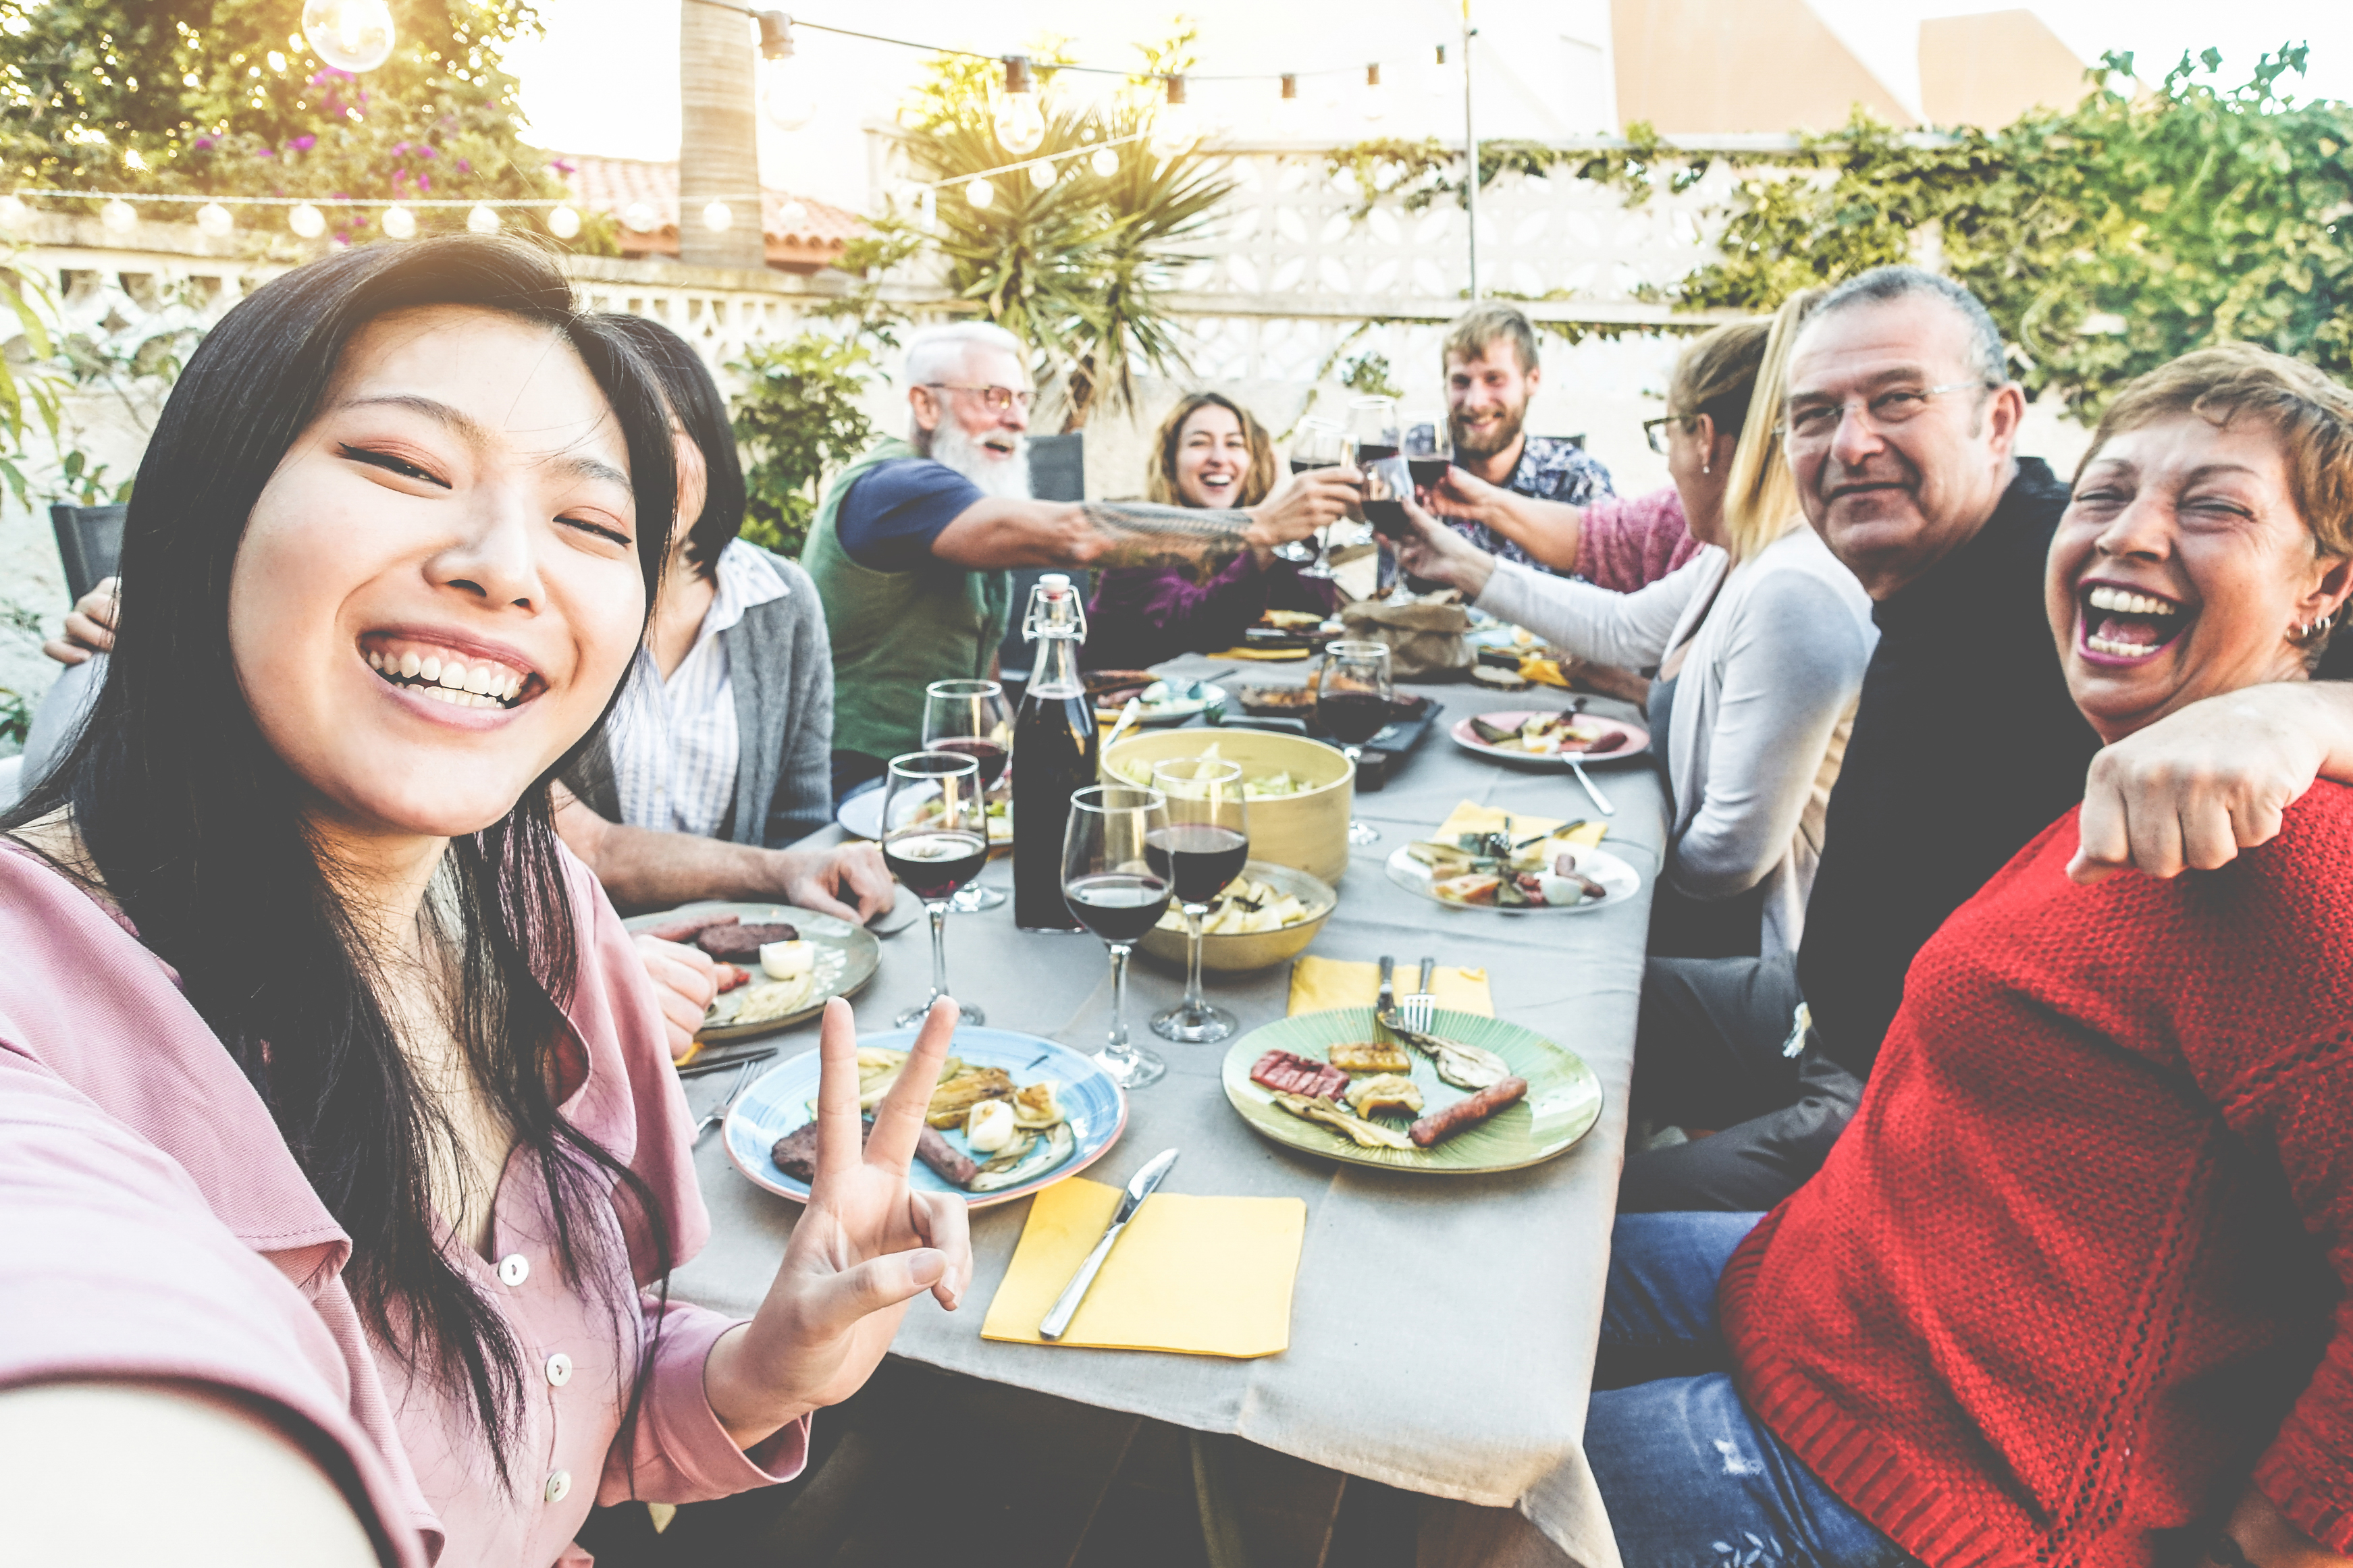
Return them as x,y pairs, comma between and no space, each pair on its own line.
1551,467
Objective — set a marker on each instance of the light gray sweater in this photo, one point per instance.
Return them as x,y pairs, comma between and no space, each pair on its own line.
1761,707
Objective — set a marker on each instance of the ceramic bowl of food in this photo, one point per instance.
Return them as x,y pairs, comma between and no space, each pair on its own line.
1263,892
1300,791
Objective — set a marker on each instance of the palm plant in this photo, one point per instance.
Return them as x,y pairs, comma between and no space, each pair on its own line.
1077,267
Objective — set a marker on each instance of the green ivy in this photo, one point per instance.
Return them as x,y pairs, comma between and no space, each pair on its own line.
797,418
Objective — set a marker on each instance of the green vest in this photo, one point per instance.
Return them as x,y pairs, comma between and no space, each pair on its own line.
894,632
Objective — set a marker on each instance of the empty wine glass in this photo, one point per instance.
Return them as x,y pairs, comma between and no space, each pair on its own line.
1204,847
935,839
971,717
1316,444
1109,884
1353,695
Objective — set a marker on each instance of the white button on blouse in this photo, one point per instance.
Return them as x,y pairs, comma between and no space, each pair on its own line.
558,1485
559,1369
513,1268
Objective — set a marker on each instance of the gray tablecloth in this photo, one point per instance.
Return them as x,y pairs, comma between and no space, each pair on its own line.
1487,1289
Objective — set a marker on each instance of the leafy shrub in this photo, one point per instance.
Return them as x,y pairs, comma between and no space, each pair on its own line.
798,419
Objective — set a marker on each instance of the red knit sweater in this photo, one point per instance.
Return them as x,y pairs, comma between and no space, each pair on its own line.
2079,1267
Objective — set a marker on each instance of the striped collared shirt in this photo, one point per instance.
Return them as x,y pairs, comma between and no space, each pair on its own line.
673,741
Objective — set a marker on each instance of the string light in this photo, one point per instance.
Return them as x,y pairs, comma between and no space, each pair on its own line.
119,217
563,223
399,222
1042,175
980,193
1175,127
785,101
215,221
791,216
1376,102
14,214
353,36
640,217
307,221
1019,125
482,220
719,217
1105,162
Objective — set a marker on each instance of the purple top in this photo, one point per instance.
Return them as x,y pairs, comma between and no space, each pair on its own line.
1141,615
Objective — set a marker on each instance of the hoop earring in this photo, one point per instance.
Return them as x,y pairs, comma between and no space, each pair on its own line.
2308,632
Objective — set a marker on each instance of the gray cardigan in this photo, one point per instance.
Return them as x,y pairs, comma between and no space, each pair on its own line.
781,669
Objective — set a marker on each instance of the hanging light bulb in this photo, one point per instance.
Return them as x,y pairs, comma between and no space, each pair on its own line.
350,35
119,217
563,223
1042,175
785,101
307,221
14,214
1103,162
980,193
1175,127
719,217
214,222
398,223
1019,125
482,220
1376,102
1290,110
792,214
927,209
640,217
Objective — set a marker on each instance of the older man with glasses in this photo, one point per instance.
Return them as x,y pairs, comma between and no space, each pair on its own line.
1902,425
913,548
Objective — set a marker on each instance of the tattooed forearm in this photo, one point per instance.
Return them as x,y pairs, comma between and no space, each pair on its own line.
1133,533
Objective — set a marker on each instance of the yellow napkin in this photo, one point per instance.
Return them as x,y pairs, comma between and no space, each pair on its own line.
1318,985
1200,1274
1472,819
1265,655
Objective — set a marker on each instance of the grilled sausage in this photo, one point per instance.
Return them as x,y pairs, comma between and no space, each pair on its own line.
1449,1119
795,1154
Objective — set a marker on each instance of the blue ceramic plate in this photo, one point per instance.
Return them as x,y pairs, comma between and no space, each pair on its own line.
780,1100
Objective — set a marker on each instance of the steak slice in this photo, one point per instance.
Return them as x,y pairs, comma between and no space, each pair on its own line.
742,944
795,1154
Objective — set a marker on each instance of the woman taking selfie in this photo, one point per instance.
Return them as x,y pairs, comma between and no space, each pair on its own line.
337,1134
1210,452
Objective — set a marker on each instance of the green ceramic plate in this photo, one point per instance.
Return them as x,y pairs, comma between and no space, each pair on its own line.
846,958
1563,1101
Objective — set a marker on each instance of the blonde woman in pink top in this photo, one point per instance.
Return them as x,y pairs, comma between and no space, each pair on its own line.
342,1160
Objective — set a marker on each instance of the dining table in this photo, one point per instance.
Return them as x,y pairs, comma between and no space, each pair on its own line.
1485,1289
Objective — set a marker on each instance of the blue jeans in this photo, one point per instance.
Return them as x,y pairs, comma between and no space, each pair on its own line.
1691,1479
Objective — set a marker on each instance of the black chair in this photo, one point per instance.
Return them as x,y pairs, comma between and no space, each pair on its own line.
1058,472
89,542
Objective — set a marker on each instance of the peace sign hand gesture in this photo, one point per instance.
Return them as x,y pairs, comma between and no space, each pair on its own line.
865,1247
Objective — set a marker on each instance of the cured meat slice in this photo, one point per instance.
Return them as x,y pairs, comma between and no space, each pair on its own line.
1288,1074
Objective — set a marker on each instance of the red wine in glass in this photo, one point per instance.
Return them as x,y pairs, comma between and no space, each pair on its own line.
1199,858
1427,472
1352,717
936,864
990,754
1370,452
1117,906
1309,465
1388,518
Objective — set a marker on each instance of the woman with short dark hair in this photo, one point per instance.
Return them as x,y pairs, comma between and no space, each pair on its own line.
336,1127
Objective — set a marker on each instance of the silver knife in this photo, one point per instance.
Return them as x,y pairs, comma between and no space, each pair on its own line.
1057,1320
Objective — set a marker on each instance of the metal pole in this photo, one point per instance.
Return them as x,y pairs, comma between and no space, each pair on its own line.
1471,146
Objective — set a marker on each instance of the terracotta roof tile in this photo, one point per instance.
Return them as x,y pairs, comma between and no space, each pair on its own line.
815,234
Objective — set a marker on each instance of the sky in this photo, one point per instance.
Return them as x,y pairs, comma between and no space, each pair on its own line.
602,80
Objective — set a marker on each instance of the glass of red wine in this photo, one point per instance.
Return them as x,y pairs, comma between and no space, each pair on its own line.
1204,845
1352,704
1316,444
1111,885
971,717
1426,440
935,839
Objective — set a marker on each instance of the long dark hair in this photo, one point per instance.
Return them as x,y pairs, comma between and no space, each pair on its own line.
194,825
696,403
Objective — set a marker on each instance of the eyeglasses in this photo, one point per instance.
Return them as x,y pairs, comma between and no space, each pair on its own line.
995,399
1654,431
1811,423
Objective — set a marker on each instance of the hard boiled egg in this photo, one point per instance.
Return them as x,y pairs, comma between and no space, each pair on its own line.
787,960
988,1127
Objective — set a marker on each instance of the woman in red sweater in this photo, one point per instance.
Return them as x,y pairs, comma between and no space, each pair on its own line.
2074,1286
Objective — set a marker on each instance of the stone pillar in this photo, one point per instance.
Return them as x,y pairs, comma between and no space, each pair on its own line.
717,140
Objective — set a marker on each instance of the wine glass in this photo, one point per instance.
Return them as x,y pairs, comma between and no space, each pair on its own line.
971,717
1204,847
935,839
1109,884
1316,444
1425,441
1353,691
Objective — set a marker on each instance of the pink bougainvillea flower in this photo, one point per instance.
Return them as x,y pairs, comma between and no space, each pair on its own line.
304,143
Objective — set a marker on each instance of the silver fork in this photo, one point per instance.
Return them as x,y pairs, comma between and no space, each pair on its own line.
1420,1010
742,1082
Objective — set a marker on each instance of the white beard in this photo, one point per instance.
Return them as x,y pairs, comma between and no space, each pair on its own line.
1006,478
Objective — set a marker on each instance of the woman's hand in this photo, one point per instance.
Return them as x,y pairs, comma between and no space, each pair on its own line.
1433,551
685,981
90,625
1302,504
831,881
864,1248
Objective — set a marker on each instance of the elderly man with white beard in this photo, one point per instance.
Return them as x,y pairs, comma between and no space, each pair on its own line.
912,547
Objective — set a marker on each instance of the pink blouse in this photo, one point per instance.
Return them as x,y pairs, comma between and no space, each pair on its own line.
159,1229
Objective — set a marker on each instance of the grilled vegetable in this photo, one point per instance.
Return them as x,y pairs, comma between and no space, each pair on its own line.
1368,1134
1041,1153
953,1101
1390,1091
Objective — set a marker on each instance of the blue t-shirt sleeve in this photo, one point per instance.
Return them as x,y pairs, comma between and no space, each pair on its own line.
889,519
